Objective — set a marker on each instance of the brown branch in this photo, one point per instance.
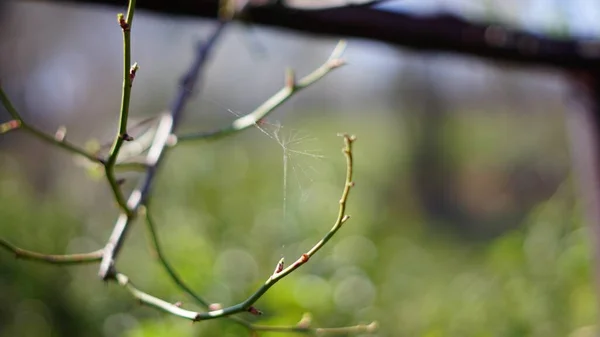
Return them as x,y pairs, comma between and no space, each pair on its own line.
440,32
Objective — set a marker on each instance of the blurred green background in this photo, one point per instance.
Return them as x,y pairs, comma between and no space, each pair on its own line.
466,217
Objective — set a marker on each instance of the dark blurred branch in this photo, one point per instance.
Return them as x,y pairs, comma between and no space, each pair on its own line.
442,32
584,132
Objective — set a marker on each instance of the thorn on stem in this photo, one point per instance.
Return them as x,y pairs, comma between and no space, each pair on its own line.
132,71
279,266
9,126
305,321
215,306
373,327
122,22
61,133
254,311
172,140
126,137
120,181
178,304
345,218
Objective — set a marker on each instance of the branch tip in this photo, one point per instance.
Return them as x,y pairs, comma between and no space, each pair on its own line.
132,71
305,321
172,140
215,306
290,79
252,309
279,266
60,134
339,50
9,126
122,22
372,327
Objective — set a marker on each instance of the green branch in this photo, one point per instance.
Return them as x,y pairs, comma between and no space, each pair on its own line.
54,140
92,257
291,87
280,272
302,327
166,265
155,301
129,72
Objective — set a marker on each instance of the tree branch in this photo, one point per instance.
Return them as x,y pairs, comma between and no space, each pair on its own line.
440,32
291,87
280,272
20,123
167,125
91,257
122,136
302,327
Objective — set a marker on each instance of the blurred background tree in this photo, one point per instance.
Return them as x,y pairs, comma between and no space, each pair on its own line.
465,218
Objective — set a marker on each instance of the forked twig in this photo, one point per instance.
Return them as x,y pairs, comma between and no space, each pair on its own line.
167,125
279,274
140,197
290,88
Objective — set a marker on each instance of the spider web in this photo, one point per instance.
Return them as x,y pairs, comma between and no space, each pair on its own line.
292,143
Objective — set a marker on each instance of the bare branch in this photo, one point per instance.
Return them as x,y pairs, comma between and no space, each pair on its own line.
25,126
437,32
277,276
155,301
166,265
20,253
304,325
122,136
167,125
290,88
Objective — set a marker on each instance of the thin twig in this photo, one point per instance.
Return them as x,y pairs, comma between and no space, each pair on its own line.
60,142
156,302
24,254
179,281
166,265
291,87
166,127
122,136
301,327
279,274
